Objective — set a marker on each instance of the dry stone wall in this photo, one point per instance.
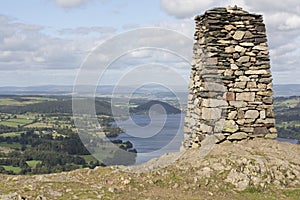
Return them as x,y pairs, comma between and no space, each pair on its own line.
230,89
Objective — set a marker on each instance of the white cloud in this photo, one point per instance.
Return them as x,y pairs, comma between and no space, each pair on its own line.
283,20
270,6
25,46
184,8
70,3
88,30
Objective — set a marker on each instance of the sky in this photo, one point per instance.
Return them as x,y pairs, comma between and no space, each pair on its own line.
49,42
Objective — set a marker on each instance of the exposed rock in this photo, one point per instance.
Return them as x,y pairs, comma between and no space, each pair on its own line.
40,197
261,130
211,113
256,72
261,48
247,44
111,189
239,48
245,96
210,86
232,115
271,135
243,59
230,27
230,96
260,166
12,196
205,128
229,50
219,137
230,126
262,114
252,114
238,35
214,103
238,136
238,104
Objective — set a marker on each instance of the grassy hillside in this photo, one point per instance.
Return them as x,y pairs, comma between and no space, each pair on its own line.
38,134
257,169
287,115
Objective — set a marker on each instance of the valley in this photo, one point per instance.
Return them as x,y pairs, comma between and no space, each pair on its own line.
38,134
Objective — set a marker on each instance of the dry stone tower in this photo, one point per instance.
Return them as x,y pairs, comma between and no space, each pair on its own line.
230,90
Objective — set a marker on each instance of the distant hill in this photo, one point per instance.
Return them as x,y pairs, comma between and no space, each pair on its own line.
59,106
287,90
144,108
279,90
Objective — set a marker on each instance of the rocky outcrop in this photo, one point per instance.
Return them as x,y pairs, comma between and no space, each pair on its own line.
230,90
227,171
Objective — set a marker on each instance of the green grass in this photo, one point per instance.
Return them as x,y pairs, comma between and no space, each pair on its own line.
10,124
49,124
39,98
88,158
289,102
288,124
293,194
55,135
12,146
39,125
20,121
16,170
33,163
13,102
15,122
19,102
8,102
12,134
26,120
28,116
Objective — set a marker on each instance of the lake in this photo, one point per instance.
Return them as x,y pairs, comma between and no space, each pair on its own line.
152,138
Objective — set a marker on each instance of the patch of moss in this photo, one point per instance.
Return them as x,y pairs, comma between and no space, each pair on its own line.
292,194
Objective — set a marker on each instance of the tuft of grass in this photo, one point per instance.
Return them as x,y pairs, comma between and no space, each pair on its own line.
33,163
12,145
88,158
292,194
16,122
12,134
15,170
253,189
39,125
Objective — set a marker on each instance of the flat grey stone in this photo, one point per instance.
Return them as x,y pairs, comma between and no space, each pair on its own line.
238,136
230,126
251,114
238,35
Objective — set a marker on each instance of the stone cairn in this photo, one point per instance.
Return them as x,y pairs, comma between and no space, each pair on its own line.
230,89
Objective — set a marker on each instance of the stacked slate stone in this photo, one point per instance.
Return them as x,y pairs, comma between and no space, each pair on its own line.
230,90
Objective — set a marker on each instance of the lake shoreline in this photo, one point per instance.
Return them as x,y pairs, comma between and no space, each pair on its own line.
152,147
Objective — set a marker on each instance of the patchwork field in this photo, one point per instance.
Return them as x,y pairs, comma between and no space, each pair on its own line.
37,135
